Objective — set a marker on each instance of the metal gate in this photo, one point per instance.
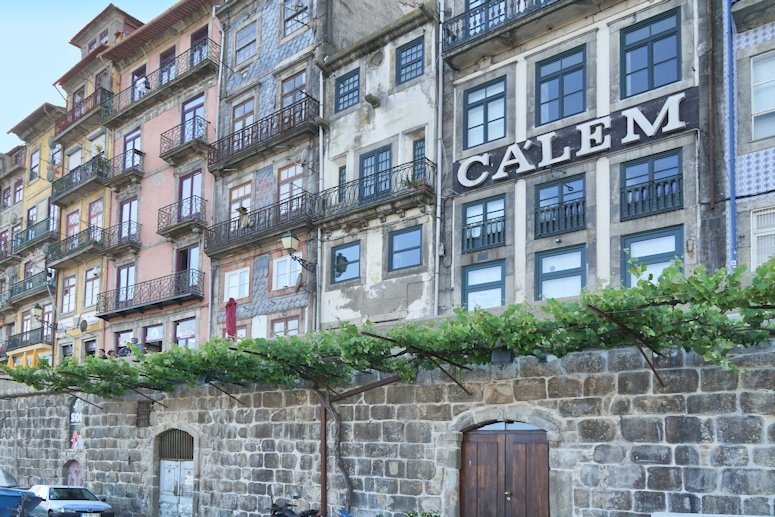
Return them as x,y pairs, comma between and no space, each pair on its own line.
176,474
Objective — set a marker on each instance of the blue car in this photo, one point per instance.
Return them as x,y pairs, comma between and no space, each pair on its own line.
69,501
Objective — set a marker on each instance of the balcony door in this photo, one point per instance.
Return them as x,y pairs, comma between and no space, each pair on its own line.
198,46
289,185
485,15
78,96
132,144
187,267
167,66
193,112
72,225
140,83
95,218
128,221
74,161
125,286
190,186
375,174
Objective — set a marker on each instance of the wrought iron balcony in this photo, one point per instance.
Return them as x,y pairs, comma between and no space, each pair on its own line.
279,127
184,140
653,197
186,69
7,256
121,238
182,217
403,183
82,118
483,235
41,232
30,286
41,335
16,161
158,293
76,249
268,221
561,218
80,182
125,168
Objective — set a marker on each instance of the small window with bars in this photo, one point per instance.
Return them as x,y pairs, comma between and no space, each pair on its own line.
144,413
762,236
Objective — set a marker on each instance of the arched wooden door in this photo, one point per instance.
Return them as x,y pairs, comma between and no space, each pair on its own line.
176,474
505,471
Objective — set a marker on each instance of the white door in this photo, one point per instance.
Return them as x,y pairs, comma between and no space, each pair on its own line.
176,488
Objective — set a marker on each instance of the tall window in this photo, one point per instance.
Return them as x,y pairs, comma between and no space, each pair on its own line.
409,60
560,273
763,95
125,285
242,115
236,284
131,147
91,287
140,83
289,182
34,164
656,249
68,294
6,197
239,196
346,262
484,285
18,191
56,155
651,54
762,236
418,156
167,65
295,15
128,218
560,88
293,89
72,223
192,114
485,113
652,185
560,206
245,43
185,332
405,248
189,187
285,272
484,224
342,183
375,173
74,159
348,89
104,37
285,327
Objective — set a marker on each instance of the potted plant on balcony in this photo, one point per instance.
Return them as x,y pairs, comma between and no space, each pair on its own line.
417,183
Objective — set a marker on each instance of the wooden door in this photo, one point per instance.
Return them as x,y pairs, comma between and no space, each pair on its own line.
504,474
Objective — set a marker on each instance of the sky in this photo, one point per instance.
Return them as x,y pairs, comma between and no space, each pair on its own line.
35,51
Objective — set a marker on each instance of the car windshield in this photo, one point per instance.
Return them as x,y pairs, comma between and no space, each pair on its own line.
72,494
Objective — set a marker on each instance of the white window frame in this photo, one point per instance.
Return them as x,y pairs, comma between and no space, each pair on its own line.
562,271
759,232
285,267
242,287
243,52
767,84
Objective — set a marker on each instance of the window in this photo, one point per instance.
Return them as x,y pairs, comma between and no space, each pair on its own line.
132,155
193,119
185,332
346,262
239,196
289,185
285,272
375,173
485,15
762,236
153,338
236,284
198,46
34,165
56,155
484,224
32,216
651,54
560,88
763,95
409,63
242,115
418,156
295,15
91,287
74,159
90,346
167,65
285,327
68,294
92,45
129,228
485,113
484,285
293,89
348,89
405,248
560,273
342,183
140,83
560,207
104,37
245,43
125,286
18,192
123,338
657,249
6,197
652,185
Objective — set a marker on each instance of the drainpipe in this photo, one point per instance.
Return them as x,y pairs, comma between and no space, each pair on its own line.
439,147
732,135
320,189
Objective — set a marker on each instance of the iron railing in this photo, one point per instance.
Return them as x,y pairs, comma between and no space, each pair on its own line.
126,233
561,218
94,235
485,19
376,188
6,249
97,167
31,283
189,282
130,161
662,195
192,129
259,222
38,231
31,337
264,130
80,110
196,57
485,234
188,209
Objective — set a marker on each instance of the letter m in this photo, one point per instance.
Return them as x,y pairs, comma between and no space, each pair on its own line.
670,110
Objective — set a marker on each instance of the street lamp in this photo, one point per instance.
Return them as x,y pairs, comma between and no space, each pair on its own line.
37,313
291,243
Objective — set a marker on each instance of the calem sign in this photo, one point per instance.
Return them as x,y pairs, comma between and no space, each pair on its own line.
645,123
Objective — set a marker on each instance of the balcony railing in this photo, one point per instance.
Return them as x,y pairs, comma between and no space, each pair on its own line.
16,161
184,214
38,232
122,236
653,197
80,110
485,234
6,251
82,180
197,57
29,338
39,282
485,19
93,238
124,168
561,218
189,131
399,181
260,223
264,132
176,288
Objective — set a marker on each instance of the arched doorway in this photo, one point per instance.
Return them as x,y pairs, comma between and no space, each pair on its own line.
73,473
176,474
505,471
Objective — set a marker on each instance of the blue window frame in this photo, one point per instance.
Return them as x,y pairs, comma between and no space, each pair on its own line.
485,113
342,182
652,185
409,61
657,249
418,155
484,224
346,262
375,173
651,54
560,206
561,86
405,248
561,273
348,90
484,285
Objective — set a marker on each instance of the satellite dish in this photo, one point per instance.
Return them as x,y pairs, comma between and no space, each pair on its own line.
82,325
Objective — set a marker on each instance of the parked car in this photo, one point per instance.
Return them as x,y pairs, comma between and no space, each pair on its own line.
69,501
